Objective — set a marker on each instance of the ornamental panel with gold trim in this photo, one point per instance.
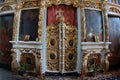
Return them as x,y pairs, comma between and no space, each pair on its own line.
93,4
28,58
52,30
52,36
114,9
70,57
52,42
71,30
6,8
29,4
94,62
70,42
52,59
57,2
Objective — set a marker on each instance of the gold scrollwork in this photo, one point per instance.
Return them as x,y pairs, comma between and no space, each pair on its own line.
52,60
70,59
57,2
6,8
115,10
91,4
29,4
52,47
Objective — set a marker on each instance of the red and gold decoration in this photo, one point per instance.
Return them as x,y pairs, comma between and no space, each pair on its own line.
61,38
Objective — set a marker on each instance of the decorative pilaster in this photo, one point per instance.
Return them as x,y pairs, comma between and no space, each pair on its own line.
15,26
40,23
14,64
83,29
106,23
108,53
38,67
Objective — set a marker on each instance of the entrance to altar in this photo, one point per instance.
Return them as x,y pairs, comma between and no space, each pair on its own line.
61,40
61,48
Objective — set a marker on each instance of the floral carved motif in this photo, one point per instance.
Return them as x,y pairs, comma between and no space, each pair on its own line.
29,4
57,2
6,8
92,4
115,10
89,56
52,47
70,48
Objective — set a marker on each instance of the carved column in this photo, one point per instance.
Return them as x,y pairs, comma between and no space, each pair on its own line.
106,60
15,26
38,67
83,29
41,17
84,62
14,64
106,25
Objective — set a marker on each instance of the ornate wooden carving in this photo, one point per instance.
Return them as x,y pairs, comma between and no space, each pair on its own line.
70,55
14,63
31,54
115,10
52,47
6,8
83,28
92,4
57,2
86,57
29,4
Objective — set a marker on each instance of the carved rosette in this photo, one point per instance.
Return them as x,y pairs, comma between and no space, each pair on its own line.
28,4
52,48
70,60
70,55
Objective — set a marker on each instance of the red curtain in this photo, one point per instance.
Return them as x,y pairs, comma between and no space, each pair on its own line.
69,13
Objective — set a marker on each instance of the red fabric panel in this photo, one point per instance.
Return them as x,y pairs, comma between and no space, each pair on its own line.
69,13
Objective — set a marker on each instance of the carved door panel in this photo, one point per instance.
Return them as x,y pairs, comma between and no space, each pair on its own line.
70,54
52,48
61,48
